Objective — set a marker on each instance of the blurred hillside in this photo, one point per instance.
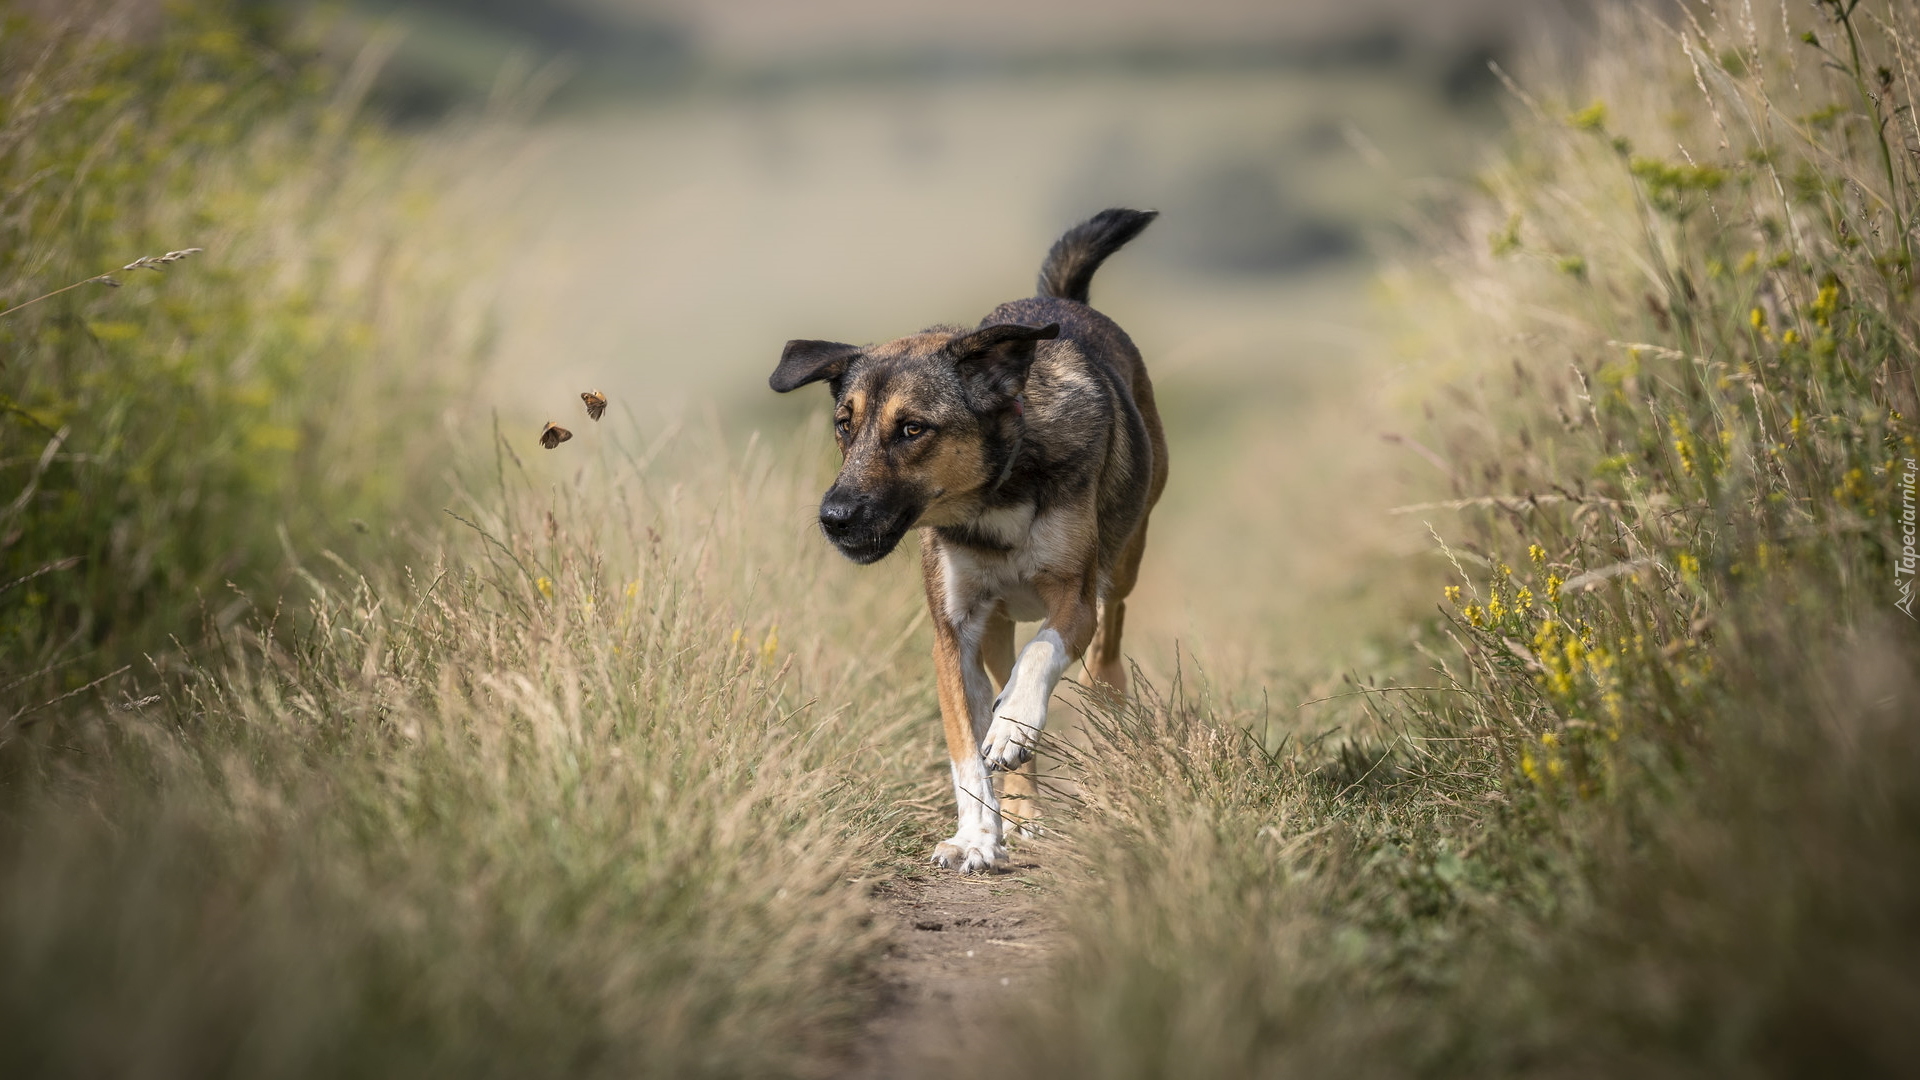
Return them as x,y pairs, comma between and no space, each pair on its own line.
451,52
763,29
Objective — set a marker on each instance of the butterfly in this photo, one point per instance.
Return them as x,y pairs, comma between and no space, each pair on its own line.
596,403
553,435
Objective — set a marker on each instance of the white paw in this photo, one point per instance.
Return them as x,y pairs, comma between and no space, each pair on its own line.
1011,738
971,855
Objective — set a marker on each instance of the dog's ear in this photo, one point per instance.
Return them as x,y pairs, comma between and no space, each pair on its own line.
803,362
993,360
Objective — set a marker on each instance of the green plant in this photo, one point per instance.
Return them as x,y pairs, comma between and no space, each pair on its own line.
161,440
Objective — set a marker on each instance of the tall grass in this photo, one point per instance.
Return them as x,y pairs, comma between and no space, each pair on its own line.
1654,807
560,799
158,440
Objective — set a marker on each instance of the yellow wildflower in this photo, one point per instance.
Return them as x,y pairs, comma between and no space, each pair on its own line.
1557,675
1826,304
1684,450
1853,487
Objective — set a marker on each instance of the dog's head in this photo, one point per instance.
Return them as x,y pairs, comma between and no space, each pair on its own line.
925,425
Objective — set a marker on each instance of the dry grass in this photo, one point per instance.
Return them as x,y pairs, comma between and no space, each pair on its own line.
559,799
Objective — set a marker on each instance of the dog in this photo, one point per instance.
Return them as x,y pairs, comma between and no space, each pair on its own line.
1029,454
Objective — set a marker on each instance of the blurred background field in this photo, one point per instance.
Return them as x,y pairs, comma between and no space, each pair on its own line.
344,729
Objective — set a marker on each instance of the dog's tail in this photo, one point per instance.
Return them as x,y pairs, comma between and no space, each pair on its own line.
1070,265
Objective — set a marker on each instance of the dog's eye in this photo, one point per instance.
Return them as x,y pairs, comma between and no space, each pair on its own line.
841,426
911,430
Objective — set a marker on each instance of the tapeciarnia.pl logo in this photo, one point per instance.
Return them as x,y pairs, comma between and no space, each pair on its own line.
1903,567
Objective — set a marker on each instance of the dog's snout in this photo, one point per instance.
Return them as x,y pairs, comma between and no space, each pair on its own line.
864,525
838,512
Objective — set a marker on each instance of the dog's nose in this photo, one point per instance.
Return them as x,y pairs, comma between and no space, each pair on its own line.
837,512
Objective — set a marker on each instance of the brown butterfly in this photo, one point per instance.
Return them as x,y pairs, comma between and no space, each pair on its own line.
553,435
596,403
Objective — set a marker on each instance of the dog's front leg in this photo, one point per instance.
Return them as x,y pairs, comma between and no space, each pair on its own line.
1020,712
966,701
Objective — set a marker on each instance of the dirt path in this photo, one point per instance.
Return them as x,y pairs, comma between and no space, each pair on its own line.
964,946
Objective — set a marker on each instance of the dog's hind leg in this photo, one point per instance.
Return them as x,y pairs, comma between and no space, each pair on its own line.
1020,800
1106,663
996,646
1019,789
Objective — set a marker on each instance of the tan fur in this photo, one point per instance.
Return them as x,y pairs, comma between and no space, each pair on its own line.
954,472
954,715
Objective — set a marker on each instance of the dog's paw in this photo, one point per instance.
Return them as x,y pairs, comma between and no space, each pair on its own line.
1011,739
971,855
